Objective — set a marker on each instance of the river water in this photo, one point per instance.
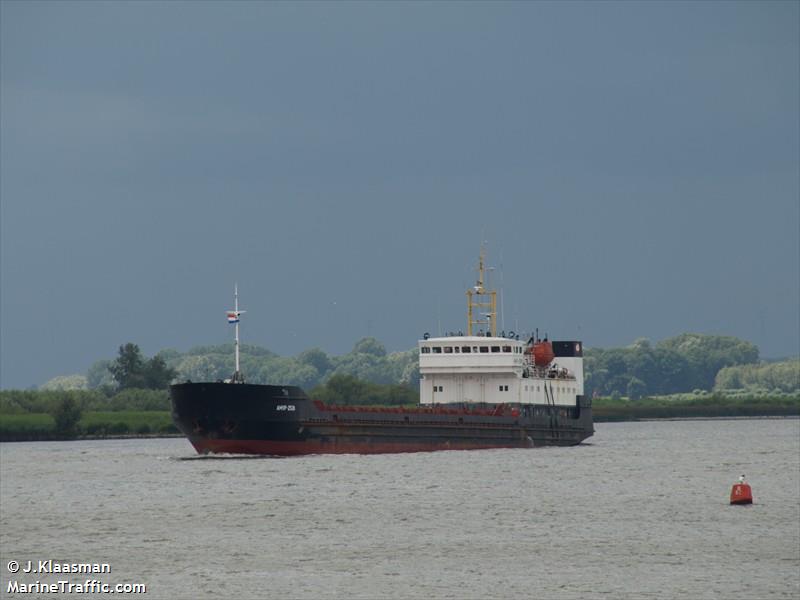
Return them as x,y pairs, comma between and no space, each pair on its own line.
640,511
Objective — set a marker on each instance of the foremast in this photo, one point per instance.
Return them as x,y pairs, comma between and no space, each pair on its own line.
233,318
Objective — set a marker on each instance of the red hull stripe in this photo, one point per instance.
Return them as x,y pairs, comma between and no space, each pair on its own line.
287,448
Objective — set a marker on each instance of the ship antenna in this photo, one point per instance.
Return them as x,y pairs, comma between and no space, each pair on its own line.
233,317
502,296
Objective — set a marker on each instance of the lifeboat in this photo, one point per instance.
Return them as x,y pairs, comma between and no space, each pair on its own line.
543,353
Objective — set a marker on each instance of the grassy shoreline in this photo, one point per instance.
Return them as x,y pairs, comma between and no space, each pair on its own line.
27,427
688,406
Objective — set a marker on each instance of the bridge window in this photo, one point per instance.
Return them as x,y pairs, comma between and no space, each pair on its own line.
437,350
457,349
485,349
448,349
465,349
426,350
506,348
495,348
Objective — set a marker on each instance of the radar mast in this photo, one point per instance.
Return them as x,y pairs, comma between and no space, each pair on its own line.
479,297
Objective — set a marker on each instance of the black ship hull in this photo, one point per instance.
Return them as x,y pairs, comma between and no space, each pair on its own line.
243,418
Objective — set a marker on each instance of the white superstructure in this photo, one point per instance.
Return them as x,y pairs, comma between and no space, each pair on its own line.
492,369
496,370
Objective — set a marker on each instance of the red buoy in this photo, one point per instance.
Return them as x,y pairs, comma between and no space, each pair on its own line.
741,494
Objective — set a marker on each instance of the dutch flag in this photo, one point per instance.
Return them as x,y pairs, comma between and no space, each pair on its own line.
233,317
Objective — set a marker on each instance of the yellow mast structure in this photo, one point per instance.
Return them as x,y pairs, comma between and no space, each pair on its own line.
479,297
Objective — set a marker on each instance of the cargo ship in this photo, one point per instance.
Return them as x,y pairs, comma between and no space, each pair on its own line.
478,390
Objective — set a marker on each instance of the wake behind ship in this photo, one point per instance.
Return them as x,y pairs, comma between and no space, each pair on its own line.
476,391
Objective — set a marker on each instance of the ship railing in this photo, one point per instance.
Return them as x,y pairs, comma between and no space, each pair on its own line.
539,372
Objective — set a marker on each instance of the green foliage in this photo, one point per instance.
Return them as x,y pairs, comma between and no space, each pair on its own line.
140,400
688,361
315,358
369,345
66,382
347,389
782,376
685,362
636,388
200,368
128,368
286,370
707,354
39,426
368,361
703,405
99,375
131,370
676,365
129,420
158,375
30,401
46,401
368,367
66,414
25,427
119,428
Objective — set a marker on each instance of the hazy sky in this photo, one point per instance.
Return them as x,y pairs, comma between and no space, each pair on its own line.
632,166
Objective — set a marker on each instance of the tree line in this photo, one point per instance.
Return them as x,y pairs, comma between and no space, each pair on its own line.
776,377
685,363
706,375
678,364
367,361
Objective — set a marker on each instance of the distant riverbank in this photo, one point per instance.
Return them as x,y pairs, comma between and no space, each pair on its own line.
156,423
686,406
92,425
